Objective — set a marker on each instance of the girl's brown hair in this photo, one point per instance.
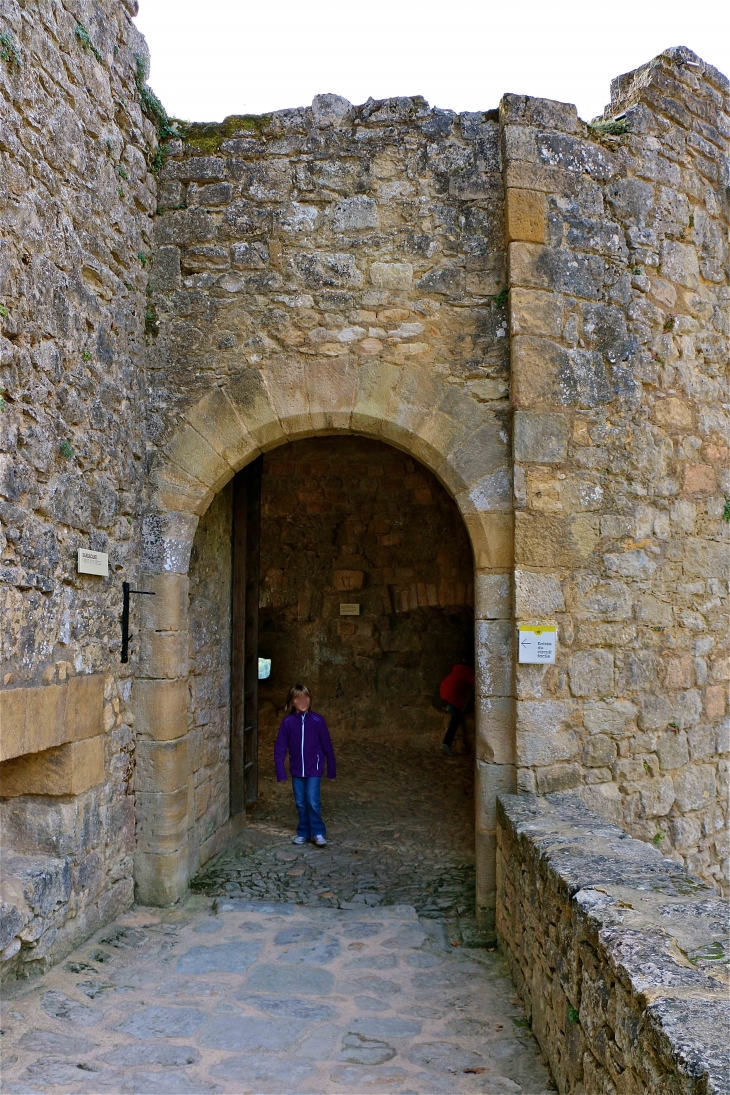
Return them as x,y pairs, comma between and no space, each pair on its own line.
296,690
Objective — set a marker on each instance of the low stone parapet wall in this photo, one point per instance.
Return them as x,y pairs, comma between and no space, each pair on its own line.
621,957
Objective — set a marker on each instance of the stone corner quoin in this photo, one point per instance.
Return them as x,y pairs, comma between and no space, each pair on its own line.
533,307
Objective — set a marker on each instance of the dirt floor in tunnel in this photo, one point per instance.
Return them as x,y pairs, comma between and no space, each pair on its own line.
400,830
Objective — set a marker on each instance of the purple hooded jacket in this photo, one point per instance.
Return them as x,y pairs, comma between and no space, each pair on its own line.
308,740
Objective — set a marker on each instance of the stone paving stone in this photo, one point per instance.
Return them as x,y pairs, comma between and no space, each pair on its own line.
163,1022
264,1074
289,1006
145,1054
234,1032
290,979
222,958
239,994
60,1006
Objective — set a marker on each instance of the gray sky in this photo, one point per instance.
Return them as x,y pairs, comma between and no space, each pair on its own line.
224,57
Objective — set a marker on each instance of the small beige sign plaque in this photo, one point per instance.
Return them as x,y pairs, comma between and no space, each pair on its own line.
93,562
349,610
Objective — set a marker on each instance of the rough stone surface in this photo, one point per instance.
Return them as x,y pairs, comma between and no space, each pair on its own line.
620,956
460,1030
171,310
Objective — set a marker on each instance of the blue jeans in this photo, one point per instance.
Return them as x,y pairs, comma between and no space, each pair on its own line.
306,796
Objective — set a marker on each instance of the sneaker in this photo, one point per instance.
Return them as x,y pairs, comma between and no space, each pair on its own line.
319,841
446,749
299,840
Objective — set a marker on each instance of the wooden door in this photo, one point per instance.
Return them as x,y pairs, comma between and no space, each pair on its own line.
245,636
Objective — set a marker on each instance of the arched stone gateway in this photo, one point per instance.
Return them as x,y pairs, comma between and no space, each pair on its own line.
464,443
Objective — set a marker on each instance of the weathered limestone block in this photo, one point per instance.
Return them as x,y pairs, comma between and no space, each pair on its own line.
33,719
525,215
609,945
66,770
160,879
162,766
160,708
163,654
162,820
167,610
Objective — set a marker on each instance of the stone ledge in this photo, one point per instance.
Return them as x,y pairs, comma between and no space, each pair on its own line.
619,954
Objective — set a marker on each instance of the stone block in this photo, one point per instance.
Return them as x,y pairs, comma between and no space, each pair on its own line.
163,654
546,540
542,736
216,420
522,175
558,777
250,398
599,751
160,879
540,438
537,595
494,640
486,865
345,581
563,271
694,787
191,452
492,539
68,769
162,766
537,364
45,723
391,275
525,215
495,729
533,312
12,722
657,796
491,780
84,714
715,702
492,596
591,674
162,820
160,708
167,610
679,263
672,750
176,491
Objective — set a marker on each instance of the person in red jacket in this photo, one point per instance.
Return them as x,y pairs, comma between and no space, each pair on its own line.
456,689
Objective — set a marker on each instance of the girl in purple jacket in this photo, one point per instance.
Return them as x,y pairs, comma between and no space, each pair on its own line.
304,734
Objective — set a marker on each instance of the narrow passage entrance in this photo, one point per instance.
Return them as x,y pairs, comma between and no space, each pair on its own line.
351,525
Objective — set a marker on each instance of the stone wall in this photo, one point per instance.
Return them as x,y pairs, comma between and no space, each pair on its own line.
76,201
619,955
210,679
619,311
340,268
353,520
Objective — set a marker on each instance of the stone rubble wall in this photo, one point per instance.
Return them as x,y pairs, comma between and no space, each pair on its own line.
76,202
323,269
621,958
620,324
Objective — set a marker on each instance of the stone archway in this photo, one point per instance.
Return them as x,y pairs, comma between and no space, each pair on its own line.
463,442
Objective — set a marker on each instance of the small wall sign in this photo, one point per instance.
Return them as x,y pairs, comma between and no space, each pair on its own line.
536,643
93,562
349,610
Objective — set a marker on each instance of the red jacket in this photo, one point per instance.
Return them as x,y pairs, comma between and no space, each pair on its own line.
458,686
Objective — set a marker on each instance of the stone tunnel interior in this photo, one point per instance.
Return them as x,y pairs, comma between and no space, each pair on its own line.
348,520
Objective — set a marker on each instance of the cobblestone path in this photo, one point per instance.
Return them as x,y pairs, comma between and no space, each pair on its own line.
308,971
400,827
